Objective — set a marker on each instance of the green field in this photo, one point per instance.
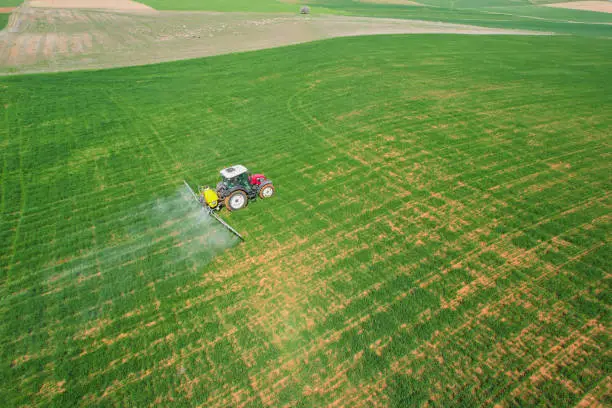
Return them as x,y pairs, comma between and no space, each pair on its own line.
4,18
509,16
441,230
10,3
552,14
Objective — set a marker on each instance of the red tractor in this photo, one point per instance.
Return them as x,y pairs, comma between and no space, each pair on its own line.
237,187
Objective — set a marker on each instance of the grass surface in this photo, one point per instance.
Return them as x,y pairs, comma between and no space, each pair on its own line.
10,3
4,18
528,17
440,232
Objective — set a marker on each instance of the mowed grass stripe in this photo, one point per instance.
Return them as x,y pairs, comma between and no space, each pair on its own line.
389,236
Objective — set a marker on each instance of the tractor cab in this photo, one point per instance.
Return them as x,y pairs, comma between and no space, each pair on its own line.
235,176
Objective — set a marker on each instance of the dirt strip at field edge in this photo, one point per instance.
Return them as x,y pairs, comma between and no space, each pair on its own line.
62,39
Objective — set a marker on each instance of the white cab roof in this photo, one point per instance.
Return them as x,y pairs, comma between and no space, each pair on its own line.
233,171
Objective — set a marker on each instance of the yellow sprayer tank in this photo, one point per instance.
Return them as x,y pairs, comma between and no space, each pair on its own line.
210,197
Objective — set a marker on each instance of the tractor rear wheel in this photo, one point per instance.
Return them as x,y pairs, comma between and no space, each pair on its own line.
266,191
236,200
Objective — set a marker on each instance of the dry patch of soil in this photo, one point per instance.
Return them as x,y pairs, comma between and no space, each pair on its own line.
91,4
600,6
6,9
63,39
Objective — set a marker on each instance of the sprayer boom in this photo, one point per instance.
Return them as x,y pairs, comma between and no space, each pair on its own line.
211,212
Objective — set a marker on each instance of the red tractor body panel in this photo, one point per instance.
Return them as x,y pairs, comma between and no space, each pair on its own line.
256,179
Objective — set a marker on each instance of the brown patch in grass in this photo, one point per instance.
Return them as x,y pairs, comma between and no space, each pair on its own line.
516,256
599,6
595,397
120,336
93,330
130,378
379,345
22,359
51,389
559,166
350,114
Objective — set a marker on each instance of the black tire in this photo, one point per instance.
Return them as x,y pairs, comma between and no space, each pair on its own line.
266,191
236,200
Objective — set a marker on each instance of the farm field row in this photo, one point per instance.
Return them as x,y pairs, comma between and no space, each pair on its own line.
51,40
441,230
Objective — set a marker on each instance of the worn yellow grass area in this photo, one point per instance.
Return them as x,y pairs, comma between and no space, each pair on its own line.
600,6
91,4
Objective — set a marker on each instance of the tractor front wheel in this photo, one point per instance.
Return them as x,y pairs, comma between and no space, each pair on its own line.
236,201
266,191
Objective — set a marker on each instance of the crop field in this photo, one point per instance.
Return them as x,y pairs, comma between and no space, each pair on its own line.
505,15
56,39
3,20
440,234
40,38
10,3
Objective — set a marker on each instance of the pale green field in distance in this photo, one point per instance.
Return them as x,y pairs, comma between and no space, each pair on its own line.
521,17
550,13
499,14
279,5
479,3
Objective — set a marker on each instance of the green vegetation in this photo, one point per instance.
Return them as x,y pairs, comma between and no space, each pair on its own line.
579,25
4,18
441,230
501,14
478,3
527,18
553,14
520,17
289,5
10,3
